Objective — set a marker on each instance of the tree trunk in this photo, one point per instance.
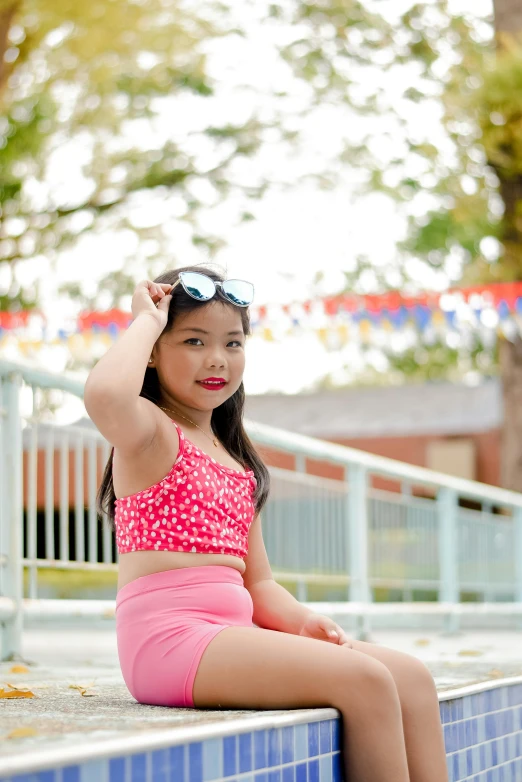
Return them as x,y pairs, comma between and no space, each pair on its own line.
508,16
510,356
6,19
508,19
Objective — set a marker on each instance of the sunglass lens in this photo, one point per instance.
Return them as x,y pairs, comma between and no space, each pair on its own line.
240,292
199,286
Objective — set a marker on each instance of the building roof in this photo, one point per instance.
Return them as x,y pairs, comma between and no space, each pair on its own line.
431,408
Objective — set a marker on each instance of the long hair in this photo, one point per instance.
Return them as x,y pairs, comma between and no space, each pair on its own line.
226,420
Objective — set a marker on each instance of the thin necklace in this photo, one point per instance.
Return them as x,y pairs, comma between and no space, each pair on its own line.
192,422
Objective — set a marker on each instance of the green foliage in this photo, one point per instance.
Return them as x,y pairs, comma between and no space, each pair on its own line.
464,226
23,132
85,72
421,364
498,108
480,95
481,195
436,362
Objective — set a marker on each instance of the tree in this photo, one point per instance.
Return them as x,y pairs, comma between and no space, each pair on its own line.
90,71
472,233
504,139
478,219
87,71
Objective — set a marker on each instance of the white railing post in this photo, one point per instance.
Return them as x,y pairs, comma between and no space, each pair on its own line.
301,586
447,503
11,531
517,554
357,519
407,493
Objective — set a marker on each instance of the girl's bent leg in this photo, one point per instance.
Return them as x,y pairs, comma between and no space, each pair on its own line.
420,712
254,668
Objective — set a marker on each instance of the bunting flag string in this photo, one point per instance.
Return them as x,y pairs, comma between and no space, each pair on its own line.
393,321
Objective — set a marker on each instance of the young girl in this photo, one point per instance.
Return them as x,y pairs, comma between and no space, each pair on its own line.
184,488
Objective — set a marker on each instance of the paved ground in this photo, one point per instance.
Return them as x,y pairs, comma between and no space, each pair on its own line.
80,695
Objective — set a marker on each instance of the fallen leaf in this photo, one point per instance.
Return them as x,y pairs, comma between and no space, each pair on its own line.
15,692
19,669
82,690
470,653
21,733
495,673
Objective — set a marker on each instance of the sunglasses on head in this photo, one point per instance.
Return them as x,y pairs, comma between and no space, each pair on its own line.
203,288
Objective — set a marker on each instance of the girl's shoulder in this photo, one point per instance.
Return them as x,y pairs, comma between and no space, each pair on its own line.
135,471
131,426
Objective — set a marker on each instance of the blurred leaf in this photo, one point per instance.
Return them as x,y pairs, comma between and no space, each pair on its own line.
21,733
18,669
15,692
82,690
470,653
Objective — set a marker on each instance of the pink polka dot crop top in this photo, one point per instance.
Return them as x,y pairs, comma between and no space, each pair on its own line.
201,506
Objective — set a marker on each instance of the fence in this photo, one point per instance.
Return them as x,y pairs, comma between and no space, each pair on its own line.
344,533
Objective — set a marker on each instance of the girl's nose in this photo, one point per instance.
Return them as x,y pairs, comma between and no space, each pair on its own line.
217,361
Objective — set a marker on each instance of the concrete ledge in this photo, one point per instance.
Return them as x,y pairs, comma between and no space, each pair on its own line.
482,730
84,726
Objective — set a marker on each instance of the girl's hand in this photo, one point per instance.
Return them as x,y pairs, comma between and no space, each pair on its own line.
152,298
325,629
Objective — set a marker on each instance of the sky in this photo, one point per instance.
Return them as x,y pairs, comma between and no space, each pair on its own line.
296,233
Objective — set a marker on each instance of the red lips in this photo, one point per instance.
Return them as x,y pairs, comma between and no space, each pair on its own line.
212,384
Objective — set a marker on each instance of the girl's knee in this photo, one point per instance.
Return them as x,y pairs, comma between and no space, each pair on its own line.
371,678
417,685
417,673
420,678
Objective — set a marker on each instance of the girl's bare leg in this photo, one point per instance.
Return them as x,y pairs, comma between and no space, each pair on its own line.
255,668
420,712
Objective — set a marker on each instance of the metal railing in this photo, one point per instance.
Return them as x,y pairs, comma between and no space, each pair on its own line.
342,534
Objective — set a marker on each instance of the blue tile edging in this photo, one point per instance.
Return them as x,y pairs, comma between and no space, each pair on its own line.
256,746
482,726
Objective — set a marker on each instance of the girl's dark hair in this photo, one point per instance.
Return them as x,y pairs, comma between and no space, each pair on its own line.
226,420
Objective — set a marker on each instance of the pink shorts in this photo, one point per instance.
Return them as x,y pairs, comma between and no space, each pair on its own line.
164,622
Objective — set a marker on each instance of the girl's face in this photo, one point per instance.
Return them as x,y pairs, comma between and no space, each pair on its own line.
207,342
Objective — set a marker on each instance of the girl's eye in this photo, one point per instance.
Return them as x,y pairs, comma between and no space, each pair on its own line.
197,339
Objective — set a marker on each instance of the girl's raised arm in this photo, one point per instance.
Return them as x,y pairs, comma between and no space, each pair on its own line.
112,389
